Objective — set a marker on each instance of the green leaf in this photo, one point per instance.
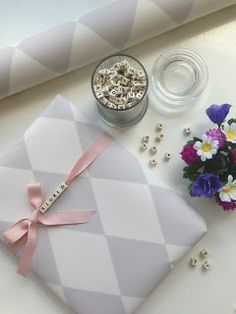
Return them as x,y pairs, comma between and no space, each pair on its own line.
192,172
230,121
190,188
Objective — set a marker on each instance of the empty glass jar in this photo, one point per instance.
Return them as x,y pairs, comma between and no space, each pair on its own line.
178,78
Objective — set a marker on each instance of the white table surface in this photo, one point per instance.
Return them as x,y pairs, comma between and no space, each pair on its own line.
185,291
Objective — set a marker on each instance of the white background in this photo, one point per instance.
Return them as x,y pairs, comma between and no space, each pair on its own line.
185,290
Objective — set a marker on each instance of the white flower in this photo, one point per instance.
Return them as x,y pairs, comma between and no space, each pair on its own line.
228,192
207,147
229,132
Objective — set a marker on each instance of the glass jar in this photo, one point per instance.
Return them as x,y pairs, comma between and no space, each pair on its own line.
126,117
178,78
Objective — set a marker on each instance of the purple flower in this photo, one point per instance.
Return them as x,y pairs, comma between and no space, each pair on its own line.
217,113
206,184
216,134
189,154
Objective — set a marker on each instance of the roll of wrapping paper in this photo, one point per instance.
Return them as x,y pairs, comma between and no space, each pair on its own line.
108,29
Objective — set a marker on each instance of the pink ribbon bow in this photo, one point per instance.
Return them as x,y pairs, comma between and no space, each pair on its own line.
25,230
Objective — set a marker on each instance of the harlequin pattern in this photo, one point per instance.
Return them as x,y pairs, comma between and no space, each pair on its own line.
139,230
77,43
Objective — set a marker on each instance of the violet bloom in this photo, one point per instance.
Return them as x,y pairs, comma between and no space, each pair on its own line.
217,113
207,185
216,134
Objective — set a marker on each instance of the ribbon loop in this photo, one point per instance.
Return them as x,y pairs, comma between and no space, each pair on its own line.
25,230
35,194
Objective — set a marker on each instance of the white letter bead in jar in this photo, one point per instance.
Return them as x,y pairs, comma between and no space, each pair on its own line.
119,84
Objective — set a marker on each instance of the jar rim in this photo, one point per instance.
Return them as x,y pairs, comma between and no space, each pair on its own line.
191,58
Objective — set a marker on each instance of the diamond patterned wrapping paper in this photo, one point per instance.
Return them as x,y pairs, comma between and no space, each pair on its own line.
139,230
100,32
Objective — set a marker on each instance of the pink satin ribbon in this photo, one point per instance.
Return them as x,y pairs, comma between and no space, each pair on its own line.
24,232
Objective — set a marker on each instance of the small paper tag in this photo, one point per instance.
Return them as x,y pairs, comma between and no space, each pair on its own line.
53,197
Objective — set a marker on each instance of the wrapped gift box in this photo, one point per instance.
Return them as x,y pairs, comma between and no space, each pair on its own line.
139,229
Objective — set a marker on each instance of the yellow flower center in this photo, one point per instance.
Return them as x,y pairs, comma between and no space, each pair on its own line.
205,147
227,189
230,135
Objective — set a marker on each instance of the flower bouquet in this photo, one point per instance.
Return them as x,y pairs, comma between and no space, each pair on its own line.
211,160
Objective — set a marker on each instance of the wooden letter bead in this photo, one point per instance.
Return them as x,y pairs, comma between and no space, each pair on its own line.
105,90
119,90
53,197
121,107
206,265
123,66
140,74
139,96
153,150
114,84
167,156
99,94
97,87
193,261
126,89
159,138
187,131
111,105
130,71
124,81
143,146
129,104
103,100
102,72
115,77
146,139
204,253
113,93
131,95
125,63
124,100
135,85
118,101
117,65
159,126
152,162
100,80
114,106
